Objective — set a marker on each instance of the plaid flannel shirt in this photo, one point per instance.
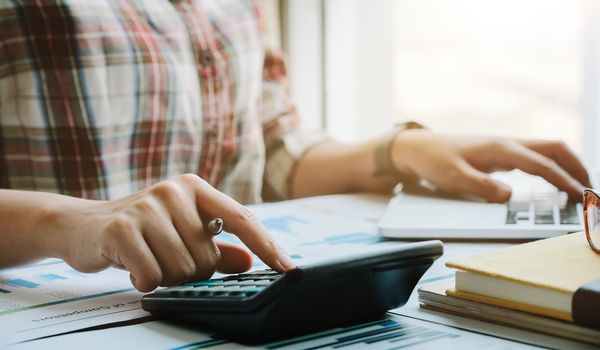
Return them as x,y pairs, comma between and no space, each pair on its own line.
99,99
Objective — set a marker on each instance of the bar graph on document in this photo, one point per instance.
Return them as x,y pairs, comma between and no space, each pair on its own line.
383,334
308,234
54,282
50,297
391,332
294,225
283,224
388,333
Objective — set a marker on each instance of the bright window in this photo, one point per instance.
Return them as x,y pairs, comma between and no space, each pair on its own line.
501,67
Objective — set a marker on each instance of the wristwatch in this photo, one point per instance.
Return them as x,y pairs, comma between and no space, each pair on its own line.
384,164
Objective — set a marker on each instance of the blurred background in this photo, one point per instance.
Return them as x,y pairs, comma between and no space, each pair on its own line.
523,68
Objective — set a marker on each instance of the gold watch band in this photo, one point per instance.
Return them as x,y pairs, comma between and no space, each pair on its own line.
384,164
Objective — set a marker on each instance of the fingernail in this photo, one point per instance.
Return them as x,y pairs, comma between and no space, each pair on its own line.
576,189
286,262
133,281
503,193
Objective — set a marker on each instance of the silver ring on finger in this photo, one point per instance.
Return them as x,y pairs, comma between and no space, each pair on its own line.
215,226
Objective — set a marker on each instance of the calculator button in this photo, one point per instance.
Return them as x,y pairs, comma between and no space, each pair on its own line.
265,278
230,282
217,288
246,283
262,282
204,293
231,277
172,290
163,292
237,294
182,288
254,274
232,288
220,293
261,274
248,278
270,273
205,283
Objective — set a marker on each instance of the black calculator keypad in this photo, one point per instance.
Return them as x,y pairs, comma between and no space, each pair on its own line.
234,286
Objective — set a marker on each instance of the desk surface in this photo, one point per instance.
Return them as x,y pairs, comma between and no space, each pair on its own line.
409,322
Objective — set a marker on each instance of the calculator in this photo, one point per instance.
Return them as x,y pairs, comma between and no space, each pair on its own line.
264,305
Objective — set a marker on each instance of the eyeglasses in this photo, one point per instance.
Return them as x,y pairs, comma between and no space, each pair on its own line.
591,213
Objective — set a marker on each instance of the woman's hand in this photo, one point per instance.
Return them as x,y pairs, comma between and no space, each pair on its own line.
158,234
460,164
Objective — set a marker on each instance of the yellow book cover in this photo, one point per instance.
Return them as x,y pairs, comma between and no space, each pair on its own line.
539,277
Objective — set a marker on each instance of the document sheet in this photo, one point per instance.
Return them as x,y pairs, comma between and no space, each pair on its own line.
393,332
50,298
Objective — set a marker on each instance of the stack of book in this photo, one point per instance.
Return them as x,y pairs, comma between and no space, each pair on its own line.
550,286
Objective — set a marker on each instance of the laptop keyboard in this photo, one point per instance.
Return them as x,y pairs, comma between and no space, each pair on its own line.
547,208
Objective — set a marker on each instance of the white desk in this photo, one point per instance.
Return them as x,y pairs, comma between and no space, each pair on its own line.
437,330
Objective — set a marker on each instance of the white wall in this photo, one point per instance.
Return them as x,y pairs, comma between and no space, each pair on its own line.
359,68
303,41
342,74
590,100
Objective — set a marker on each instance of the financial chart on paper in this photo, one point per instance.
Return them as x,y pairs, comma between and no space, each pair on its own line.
53,282
51,298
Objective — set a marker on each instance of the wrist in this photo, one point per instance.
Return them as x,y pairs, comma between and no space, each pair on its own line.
395,152
402,151
48,216
58,217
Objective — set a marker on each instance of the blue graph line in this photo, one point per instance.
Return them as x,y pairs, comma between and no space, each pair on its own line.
19,282
50,277
282,223
331,334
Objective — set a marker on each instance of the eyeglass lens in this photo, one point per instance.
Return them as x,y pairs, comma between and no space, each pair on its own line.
592,206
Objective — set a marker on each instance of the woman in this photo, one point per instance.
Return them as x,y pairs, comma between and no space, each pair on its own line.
105,104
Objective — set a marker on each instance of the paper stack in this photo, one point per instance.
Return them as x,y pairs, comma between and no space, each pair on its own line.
550,286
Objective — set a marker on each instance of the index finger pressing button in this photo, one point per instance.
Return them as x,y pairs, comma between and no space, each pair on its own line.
240,221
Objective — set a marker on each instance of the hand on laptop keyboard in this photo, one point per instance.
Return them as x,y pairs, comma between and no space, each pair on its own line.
459,164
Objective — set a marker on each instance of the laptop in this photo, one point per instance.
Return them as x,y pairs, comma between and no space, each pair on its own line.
536,210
